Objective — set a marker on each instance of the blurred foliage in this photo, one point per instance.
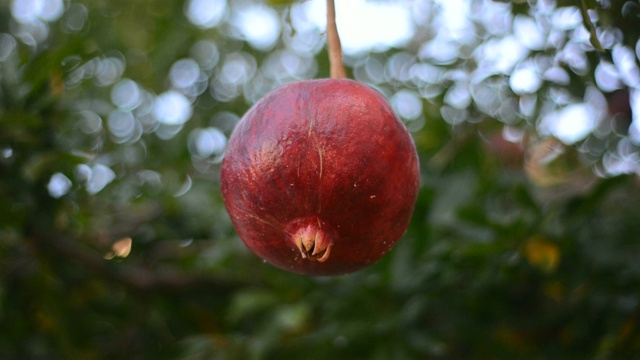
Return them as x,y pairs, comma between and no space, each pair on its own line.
114,242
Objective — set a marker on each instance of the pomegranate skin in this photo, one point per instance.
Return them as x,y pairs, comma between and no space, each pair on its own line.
320,177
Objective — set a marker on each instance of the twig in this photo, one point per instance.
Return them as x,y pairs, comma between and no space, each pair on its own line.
134,277
333,40
586,20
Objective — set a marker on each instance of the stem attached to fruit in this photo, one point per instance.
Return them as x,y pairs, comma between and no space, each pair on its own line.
313,243
333,40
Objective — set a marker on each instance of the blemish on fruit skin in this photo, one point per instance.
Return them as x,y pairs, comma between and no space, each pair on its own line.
320,158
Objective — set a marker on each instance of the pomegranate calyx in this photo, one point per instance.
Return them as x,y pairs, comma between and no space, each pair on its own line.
313,243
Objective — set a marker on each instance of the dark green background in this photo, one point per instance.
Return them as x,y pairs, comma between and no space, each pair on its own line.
514,251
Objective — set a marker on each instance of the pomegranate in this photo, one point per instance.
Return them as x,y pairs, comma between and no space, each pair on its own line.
320,177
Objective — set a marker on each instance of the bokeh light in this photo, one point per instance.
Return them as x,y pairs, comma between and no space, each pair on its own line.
634,130
458,95
205,53
75,18
607,76
525,78
126,95
59,185
207,143
528,32
31,11
123,126
259,25
98,178
90,122
184,73
206,13
172,108
359,23
7,46
625,62
478,58
407,104
569,124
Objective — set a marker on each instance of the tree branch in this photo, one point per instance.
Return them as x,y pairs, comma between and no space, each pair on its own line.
134,277
586,20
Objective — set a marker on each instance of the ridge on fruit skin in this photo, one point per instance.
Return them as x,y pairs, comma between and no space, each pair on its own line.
320,177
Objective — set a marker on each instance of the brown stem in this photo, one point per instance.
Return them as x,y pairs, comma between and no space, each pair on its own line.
333,40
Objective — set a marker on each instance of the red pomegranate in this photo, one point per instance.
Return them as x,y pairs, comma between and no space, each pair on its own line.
320,177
